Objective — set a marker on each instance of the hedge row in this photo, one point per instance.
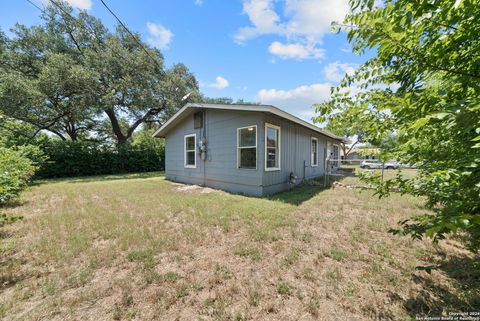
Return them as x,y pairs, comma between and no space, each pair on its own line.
69,159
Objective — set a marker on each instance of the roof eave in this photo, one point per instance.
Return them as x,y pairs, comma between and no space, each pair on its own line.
260,108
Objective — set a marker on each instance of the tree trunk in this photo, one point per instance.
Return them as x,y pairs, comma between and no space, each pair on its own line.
121,138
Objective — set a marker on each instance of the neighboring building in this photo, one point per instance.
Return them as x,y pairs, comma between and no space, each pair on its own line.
364,153
225,147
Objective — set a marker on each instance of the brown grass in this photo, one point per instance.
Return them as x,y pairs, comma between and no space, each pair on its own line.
129,247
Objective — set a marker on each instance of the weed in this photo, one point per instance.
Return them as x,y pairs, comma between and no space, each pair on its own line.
251,252
336,253
283,288
253,297
182,291
170,277
291,258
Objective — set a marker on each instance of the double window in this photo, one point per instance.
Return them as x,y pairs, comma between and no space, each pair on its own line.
190,151
314,158
247,147
272,147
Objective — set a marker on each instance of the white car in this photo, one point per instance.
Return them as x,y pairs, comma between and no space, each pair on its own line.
375,164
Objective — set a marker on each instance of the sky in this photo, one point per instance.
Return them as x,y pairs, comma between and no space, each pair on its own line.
278,52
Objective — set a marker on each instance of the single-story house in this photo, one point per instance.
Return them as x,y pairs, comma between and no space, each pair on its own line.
249,149
370,153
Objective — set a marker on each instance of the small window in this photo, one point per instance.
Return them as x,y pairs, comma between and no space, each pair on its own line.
272,147
314,159
190,151
247,147
198,120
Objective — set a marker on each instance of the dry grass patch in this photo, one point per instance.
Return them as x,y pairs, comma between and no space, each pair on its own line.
129,247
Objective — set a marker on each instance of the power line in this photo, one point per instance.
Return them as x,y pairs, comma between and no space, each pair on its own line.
133,36
36,6
93,32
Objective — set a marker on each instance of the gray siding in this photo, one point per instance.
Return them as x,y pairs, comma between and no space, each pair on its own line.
220,168
295,155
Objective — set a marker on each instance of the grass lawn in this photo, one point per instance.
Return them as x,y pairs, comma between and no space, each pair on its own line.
140,247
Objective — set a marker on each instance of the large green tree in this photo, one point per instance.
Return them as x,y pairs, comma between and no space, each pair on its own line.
71,75
43,83
423,84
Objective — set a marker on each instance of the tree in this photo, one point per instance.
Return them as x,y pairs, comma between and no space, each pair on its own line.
43,82
346,127
422,84
71,73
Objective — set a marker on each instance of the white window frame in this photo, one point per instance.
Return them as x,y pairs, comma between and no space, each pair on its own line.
312,163
238,147
278,148
190,150
337,162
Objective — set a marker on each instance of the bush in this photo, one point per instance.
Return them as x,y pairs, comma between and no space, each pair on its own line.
69,159
16,169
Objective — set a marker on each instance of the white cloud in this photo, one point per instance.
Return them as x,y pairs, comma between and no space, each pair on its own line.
220,83
295,51
263,17
160,36
336,70
198,2
308,20
297,101
79,4
313,18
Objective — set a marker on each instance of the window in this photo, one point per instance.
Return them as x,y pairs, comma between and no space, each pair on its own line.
336,155
198,120
272,147
190,151
247,147
314,159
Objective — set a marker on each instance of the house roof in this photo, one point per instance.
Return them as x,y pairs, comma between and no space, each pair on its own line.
189,108
366,150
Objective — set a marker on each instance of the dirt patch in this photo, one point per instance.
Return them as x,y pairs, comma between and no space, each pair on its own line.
194,189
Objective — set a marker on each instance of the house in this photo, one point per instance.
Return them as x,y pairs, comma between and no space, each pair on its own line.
249,149
364,153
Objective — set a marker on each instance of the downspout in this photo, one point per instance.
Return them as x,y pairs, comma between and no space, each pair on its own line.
304,169
204,130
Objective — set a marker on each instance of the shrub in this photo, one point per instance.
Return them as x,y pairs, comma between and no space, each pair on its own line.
16,169
83,158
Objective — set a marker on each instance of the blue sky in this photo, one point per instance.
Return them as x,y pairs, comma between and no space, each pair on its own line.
278,52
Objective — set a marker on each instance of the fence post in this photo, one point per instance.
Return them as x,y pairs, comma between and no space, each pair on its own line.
383,169
325,171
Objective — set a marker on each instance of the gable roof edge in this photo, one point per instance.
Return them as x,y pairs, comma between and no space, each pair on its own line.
258,108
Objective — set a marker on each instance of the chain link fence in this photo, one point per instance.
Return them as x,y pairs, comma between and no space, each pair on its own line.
347,172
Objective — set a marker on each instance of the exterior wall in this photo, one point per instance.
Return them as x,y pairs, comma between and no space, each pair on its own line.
295,155
220,170
174,155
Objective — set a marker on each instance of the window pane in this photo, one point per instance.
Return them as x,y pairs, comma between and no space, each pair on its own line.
248,157
190,158
247,137
272,159
272,137
190,143
314,152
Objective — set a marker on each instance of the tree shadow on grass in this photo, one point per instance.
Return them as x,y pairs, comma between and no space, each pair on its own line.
304,191
98,178
297,195
437,299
